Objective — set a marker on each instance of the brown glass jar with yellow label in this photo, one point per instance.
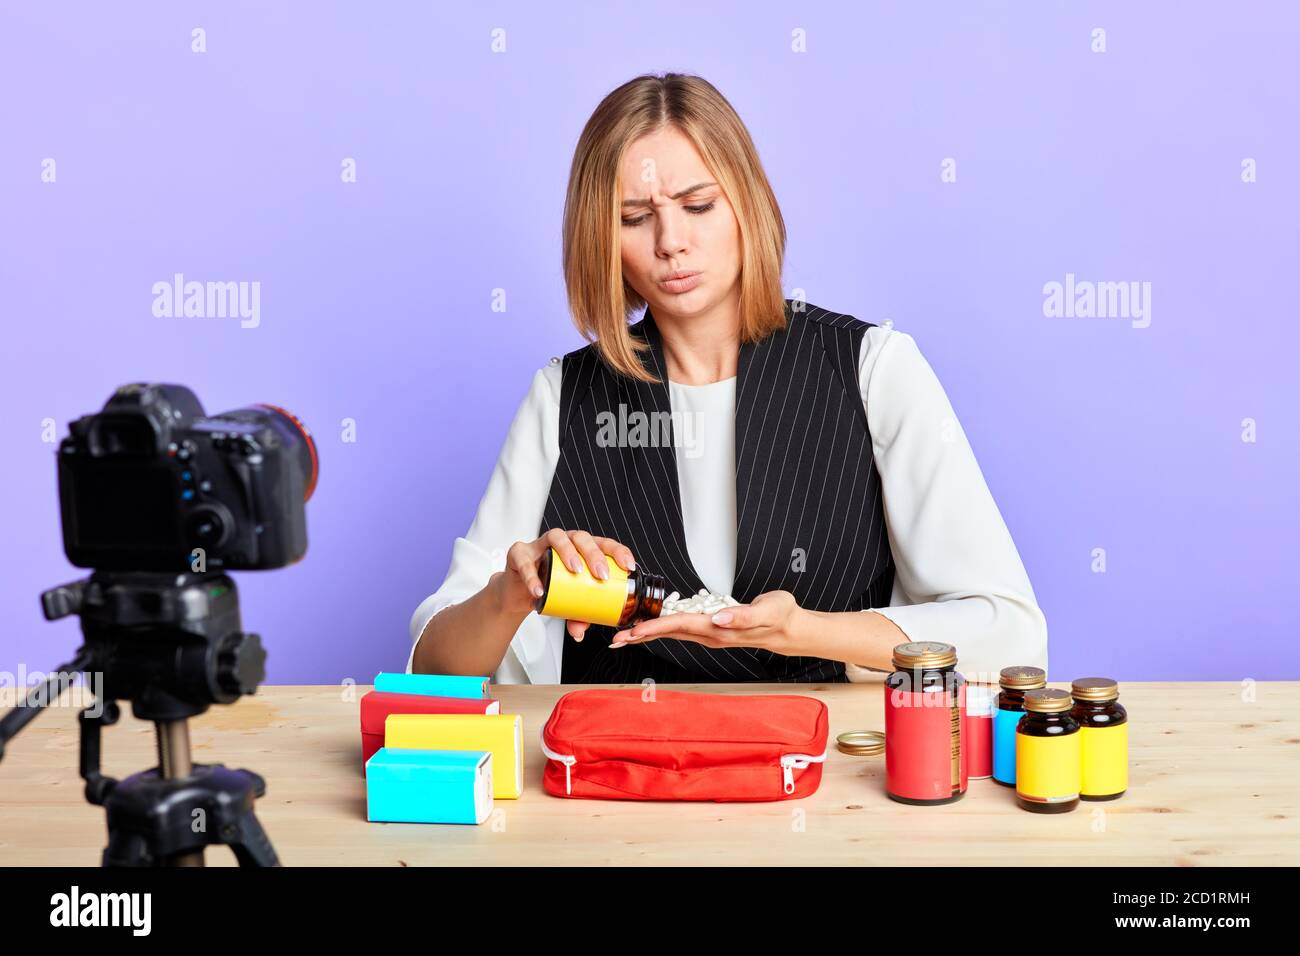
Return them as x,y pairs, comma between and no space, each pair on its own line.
624,598
1047,753
1103,738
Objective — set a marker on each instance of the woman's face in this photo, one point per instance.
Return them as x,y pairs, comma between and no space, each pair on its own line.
676,219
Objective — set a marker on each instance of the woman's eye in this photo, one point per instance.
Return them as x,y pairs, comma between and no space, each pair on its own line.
694,210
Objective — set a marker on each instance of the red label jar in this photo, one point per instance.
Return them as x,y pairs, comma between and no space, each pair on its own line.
925,725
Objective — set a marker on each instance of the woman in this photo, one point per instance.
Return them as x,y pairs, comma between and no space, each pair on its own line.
819,474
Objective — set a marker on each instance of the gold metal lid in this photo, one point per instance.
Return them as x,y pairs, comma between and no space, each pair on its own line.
1095,688
1022,678
861,743
919,654
1048,700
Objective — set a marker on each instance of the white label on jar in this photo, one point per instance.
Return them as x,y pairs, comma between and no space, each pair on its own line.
980,701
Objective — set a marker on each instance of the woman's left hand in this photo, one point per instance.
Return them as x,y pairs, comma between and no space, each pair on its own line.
768,622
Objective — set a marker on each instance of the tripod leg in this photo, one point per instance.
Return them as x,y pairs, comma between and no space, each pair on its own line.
126,849
252,847
98,786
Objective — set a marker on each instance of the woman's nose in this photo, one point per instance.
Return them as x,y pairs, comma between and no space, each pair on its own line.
671,237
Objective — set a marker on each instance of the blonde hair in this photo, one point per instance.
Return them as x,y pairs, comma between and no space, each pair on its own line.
600,299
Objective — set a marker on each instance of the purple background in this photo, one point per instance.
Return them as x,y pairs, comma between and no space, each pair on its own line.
1121,166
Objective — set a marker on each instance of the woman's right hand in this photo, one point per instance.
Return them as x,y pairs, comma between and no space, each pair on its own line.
522,584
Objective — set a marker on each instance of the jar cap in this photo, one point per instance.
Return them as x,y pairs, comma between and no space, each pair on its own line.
1048,700
1021,678
924,654
1095,688
861,743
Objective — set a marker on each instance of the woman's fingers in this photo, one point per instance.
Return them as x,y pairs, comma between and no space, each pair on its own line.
590,550
621,553
740,616
560,541
522,560
693,627
579,547
577,629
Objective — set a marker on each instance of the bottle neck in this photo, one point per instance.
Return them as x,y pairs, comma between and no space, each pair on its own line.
648,591
1096,704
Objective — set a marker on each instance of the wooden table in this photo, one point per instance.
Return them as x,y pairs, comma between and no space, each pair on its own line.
1214,779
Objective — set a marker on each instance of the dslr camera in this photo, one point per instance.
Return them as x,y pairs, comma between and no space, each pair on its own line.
151,483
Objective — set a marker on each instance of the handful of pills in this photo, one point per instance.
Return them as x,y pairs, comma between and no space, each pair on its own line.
705,602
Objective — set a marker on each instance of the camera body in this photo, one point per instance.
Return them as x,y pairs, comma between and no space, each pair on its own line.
151,483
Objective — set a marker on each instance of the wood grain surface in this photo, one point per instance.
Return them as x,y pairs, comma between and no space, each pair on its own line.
1214,779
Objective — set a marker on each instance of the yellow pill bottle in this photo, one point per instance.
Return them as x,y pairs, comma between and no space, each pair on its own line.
1047,753
1103,738
624,598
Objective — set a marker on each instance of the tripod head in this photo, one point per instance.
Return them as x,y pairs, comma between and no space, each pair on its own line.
169,643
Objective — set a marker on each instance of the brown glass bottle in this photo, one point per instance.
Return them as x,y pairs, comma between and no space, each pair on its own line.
925,718
1047,753
1009,707
624,598
1104,755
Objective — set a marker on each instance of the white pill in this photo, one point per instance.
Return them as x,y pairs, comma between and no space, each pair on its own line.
703,601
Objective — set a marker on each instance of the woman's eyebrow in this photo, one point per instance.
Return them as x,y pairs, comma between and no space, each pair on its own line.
677,195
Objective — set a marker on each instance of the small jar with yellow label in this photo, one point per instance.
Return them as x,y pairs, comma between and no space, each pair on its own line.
1103,738
1047,753
622,599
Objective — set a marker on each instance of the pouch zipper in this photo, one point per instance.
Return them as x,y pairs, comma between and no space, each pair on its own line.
789,764
567,759
792,762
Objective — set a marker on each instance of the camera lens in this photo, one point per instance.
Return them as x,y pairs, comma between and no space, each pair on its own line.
292,434
306,445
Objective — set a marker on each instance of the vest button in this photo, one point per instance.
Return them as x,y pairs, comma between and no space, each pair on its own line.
555,360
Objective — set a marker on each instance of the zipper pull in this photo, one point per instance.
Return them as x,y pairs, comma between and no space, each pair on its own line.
567,759
788,765
792,762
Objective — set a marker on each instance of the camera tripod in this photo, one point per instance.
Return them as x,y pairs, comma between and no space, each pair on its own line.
172,645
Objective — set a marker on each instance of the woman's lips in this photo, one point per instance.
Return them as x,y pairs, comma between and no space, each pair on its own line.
684,284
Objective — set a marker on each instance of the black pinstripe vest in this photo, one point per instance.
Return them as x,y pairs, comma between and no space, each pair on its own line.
808,498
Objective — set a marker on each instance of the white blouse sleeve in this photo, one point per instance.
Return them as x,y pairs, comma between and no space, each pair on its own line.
958,577
510,510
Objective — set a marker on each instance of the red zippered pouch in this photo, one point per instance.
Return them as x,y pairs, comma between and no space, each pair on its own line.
640,744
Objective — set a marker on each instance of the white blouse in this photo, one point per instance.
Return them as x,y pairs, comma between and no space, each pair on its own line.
958,577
